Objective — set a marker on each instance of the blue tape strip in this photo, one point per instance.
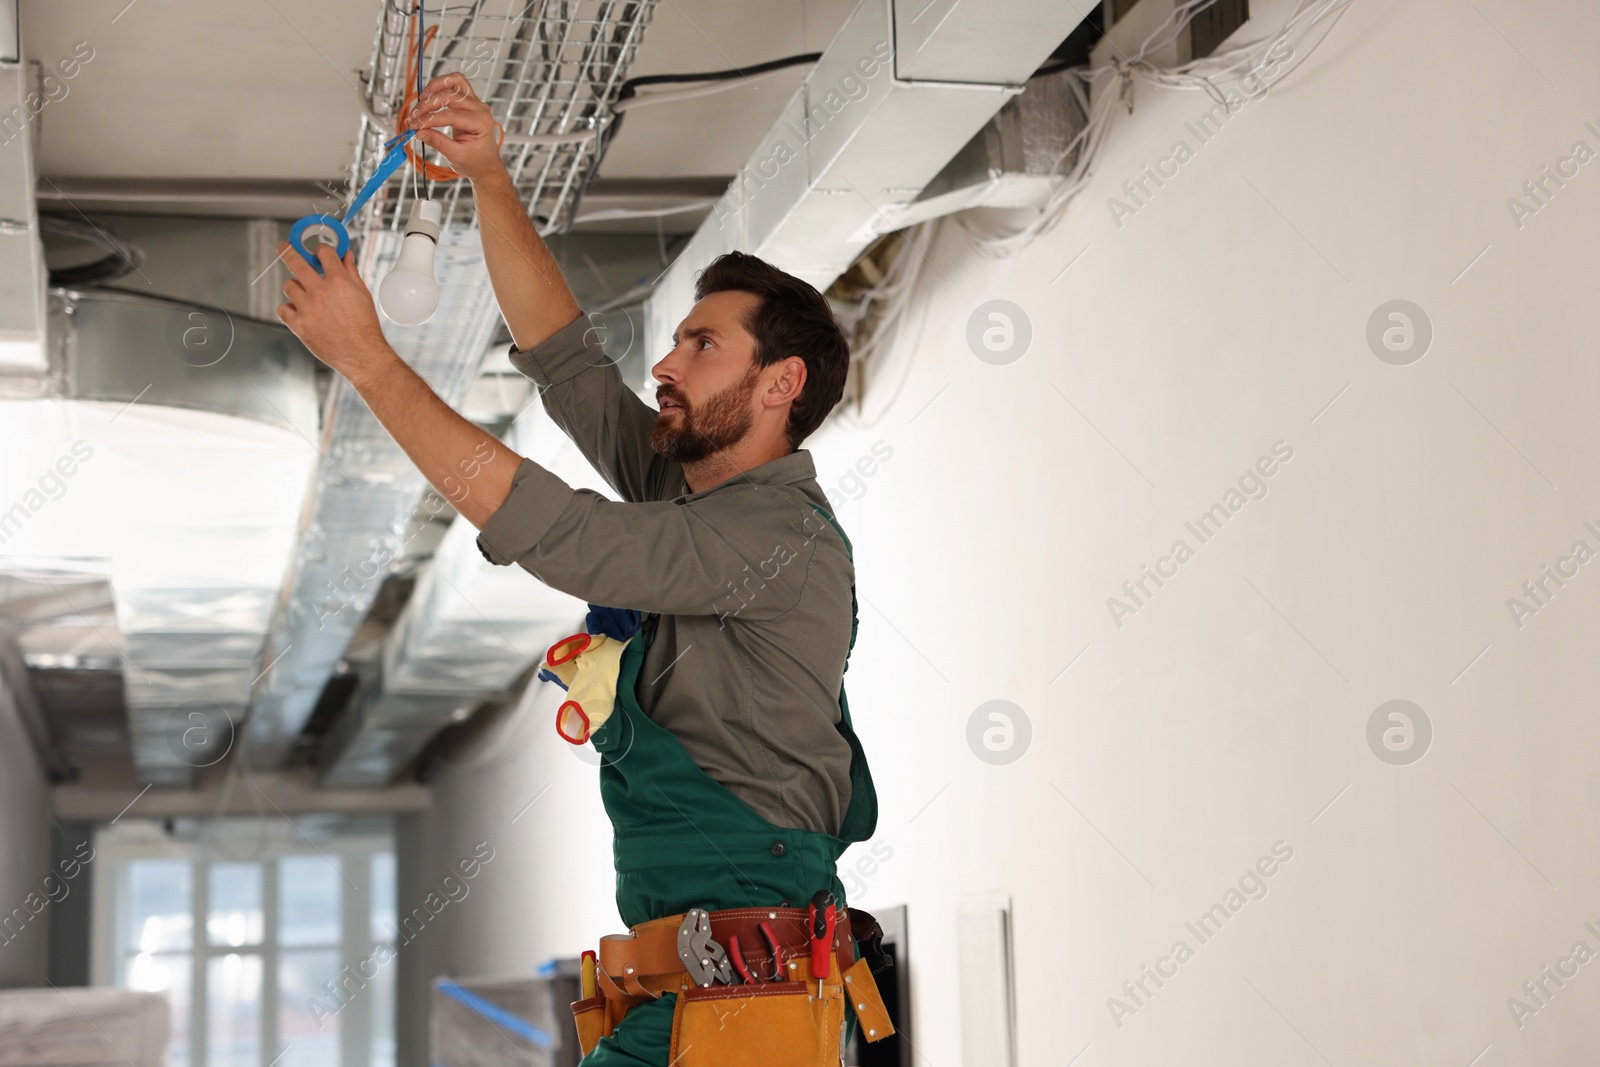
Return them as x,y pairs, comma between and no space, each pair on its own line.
498,1015
390,164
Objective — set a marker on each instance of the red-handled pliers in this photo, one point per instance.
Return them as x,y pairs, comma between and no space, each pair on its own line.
744,968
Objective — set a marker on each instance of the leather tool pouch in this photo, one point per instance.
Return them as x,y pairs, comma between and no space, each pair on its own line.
595,1018
771,1024
765,1024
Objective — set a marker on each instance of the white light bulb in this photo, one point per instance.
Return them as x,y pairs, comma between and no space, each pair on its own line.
408,294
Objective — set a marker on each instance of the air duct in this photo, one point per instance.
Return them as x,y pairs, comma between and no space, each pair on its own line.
170,439
545,70
902,87
469,631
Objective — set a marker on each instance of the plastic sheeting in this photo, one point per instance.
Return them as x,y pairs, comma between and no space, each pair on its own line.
82,1027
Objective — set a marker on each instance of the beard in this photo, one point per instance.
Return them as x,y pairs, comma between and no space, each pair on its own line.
720,423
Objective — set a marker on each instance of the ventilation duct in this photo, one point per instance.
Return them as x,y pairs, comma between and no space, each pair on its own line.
902,87
470,630
174,441
549,74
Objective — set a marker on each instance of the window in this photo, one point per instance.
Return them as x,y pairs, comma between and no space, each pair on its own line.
276,951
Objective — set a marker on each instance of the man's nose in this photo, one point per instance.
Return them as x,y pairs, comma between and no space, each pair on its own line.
663,371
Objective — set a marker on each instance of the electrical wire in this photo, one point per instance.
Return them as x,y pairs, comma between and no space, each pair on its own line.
891,296
1206,75
629,91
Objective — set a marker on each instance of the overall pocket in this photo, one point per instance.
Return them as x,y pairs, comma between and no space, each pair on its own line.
775,1024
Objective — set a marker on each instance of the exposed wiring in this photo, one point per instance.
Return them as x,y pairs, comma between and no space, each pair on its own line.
536,139
627,97
879,312
890,297
1205,74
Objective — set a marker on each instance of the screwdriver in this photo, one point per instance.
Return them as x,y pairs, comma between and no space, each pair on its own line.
587,977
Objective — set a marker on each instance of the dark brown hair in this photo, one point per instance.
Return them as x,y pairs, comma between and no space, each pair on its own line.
793,319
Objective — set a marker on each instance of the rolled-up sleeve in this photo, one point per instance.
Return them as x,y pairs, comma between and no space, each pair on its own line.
562,356
744,550
582,390
535,502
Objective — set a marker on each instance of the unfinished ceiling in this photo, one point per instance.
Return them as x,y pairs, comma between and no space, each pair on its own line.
266,99
141,138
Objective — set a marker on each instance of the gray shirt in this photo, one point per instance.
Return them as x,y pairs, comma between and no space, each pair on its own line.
752,585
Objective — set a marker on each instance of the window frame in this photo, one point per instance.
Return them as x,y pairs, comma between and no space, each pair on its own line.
266,842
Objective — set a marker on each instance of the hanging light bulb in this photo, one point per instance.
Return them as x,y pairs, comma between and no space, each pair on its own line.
408,294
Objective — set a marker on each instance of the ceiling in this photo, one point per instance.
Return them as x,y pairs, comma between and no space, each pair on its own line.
268,91
266,95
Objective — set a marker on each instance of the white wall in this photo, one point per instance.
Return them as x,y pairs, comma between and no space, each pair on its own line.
25,819
1231,711
523,796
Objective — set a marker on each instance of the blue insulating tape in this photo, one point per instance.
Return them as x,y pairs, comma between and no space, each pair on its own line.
390,164
497,1015
297,237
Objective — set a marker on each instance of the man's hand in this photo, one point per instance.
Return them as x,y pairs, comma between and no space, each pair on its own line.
333,314
473,148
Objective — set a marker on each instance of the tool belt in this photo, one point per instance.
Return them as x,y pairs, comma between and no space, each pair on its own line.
774,1012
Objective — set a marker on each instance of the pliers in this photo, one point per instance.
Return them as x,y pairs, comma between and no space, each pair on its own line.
736,957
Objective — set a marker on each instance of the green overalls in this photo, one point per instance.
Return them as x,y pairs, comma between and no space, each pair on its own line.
683,840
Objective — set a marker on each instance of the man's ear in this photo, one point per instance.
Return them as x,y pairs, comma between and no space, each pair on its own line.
790,380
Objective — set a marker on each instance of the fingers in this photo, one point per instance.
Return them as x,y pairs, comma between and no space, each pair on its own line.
449,94
450,86
296,263
474,120
328,256
441,143
350,268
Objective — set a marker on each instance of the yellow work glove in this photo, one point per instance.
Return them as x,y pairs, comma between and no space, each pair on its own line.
591,680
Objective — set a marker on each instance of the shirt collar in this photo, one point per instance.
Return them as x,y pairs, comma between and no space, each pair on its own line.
792,469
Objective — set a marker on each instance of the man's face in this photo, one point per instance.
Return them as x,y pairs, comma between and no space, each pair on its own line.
708,380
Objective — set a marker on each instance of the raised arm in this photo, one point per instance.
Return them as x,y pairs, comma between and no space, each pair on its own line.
584,394
581,389
532,293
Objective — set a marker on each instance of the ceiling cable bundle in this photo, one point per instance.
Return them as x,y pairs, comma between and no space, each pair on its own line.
873,318
409,293
1206,75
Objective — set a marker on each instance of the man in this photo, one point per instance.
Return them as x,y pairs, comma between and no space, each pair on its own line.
729,769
